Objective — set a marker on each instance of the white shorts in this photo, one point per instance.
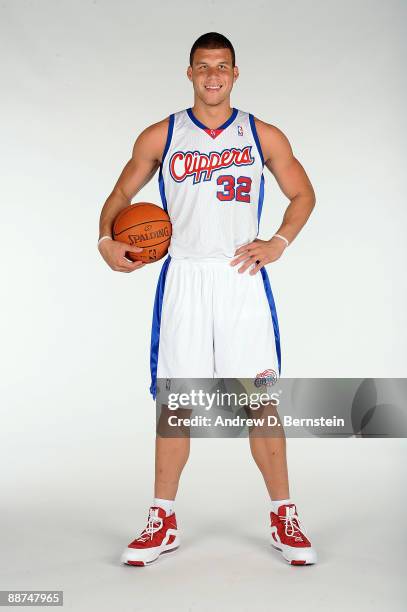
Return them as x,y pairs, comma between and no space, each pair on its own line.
210,321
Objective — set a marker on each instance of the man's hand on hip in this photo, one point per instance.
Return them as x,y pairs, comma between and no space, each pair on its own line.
258,253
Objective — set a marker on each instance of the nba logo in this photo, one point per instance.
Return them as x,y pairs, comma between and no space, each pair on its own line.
239,130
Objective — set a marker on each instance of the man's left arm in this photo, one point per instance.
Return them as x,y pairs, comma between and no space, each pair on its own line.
296,186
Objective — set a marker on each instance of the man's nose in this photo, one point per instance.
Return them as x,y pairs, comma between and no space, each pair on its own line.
212,71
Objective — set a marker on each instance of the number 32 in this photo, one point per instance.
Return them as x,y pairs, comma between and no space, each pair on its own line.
240,193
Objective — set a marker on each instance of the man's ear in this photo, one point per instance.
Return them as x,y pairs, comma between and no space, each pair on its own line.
235,73
189,73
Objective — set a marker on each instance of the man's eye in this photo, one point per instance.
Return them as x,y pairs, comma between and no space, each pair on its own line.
221,66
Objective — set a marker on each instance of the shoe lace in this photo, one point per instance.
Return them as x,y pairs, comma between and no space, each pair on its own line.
154,524
292,527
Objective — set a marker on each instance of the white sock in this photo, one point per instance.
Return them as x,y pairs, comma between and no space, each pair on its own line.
165,504
279,502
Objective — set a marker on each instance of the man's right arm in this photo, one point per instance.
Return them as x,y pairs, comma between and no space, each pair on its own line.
145,160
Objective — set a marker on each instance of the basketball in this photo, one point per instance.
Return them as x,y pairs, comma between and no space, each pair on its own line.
144,225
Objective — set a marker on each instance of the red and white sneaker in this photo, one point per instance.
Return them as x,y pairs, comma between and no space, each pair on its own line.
160,536
288,536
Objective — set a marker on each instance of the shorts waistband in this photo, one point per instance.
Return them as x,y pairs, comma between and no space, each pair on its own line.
199,260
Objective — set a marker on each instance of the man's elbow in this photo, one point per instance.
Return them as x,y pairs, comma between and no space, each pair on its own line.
312,200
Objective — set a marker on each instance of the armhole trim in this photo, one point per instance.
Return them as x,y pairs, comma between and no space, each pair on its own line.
256,137
169,137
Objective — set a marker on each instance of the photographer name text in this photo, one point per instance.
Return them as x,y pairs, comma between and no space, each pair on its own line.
269,421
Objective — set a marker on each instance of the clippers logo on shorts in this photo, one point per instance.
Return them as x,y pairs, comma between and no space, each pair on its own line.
265,379
202,165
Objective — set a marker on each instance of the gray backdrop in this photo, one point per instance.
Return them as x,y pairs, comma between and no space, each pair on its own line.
80,81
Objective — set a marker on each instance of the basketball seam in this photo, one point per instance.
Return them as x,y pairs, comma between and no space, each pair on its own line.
137,224
126,209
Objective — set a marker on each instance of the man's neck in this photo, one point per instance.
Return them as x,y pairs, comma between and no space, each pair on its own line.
212,116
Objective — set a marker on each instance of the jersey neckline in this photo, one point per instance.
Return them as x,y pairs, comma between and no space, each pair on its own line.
210,130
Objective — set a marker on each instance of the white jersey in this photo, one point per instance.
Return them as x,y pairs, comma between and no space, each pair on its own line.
209,320
212,185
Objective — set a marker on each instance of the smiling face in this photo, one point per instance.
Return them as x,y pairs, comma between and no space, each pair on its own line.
212,75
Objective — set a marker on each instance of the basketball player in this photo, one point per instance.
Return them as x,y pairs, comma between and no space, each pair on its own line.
214,313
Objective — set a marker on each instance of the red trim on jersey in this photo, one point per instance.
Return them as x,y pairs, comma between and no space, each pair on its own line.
213,133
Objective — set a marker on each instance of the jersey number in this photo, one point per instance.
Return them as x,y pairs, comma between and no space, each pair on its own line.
234,189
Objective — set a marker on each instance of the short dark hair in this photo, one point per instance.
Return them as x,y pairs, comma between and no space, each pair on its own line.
212,40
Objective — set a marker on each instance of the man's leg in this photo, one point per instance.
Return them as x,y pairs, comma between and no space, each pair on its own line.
268,446
172,447
246,340
161,533
270,456
181,348
171,455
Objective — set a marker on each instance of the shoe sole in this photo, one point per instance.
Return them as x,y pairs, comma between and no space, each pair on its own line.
294,561
145,563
